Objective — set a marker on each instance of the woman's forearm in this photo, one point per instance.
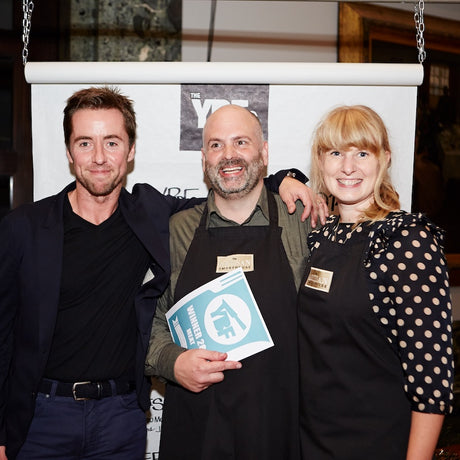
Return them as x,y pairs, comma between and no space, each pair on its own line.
424,434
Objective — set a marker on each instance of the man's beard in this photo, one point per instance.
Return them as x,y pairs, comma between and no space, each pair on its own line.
99,190
235,187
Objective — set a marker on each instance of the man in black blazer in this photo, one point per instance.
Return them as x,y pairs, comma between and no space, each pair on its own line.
76,305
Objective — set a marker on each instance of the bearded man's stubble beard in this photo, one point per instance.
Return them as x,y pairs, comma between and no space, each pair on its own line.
235,187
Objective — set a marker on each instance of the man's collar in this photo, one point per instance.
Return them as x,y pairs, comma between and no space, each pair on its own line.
262,204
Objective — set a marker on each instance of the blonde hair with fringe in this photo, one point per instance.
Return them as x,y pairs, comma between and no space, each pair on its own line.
356,126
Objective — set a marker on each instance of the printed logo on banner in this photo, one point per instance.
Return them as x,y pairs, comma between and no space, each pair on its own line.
199,101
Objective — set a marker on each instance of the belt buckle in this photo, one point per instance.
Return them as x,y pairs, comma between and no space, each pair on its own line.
74,390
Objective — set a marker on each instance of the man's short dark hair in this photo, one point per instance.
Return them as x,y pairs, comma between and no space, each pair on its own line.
100,98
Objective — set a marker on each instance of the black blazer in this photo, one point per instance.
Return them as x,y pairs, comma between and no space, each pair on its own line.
31,248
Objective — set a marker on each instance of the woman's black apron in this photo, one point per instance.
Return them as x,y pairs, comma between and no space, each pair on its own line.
353,405
253,413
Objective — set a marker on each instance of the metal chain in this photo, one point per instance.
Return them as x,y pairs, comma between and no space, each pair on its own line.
27,8
420,28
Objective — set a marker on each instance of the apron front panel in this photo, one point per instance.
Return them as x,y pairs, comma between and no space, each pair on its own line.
253,413
353,404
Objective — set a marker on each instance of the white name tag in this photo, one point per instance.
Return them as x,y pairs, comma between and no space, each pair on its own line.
226,264
320,280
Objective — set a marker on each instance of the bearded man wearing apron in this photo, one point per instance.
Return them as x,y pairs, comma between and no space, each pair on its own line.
217,409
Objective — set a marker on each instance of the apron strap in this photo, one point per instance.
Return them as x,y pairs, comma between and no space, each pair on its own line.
272,209
203,217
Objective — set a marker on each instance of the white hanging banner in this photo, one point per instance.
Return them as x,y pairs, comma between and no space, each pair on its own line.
172,100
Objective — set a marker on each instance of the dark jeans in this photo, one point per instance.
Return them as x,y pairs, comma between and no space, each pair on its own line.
64,429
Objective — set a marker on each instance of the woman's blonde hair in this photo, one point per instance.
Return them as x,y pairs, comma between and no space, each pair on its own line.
356,126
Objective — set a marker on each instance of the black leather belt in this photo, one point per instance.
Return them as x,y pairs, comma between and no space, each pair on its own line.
82,391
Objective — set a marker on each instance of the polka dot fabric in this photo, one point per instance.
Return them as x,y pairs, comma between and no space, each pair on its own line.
409,294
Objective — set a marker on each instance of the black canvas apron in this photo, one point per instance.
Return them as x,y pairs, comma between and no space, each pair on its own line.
253,413
353,405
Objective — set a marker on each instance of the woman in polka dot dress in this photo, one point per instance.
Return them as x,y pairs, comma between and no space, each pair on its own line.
374,308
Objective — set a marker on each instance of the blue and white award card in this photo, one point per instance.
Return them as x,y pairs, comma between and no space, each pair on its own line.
221,315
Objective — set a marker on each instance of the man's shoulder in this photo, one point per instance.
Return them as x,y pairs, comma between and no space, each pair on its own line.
148,196
182,227
188,218
141,191
149,201
34,210
183,224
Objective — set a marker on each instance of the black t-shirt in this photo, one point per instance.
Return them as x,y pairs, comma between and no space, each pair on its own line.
103,267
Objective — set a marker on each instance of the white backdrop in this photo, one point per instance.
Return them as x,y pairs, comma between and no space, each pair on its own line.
298,96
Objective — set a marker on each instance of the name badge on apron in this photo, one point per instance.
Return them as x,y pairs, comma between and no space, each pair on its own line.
320,280
226,264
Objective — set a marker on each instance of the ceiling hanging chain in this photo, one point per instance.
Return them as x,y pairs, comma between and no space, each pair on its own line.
27,8
420,28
